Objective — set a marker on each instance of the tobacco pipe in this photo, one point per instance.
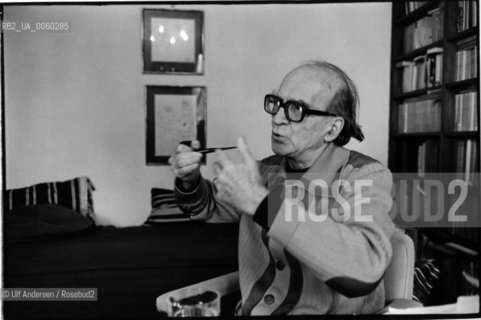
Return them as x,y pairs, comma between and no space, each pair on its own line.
207,150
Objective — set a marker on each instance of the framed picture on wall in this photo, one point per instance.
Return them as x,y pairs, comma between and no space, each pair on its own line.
174,114
173,41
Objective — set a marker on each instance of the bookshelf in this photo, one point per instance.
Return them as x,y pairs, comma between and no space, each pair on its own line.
434,114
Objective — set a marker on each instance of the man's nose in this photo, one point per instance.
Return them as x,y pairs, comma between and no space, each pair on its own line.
279,117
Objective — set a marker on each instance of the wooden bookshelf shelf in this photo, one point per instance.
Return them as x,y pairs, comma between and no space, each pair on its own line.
419,52
464,34
412,94
416,135
473,82
447,105
462,134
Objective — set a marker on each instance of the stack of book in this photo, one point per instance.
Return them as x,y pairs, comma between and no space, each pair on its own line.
466,111
419,116
466,60
467,162
428,157
423,72
424,31
411,6
467,15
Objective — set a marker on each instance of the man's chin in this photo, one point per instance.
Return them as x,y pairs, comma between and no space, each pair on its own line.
280,149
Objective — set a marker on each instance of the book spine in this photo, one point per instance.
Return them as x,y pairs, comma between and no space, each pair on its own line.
459,16
474,12
460,147
457,112
438,79
467,165
458,66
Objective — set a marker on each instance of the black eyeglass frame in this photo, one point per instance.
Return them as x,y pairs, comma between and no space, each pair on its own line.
284,104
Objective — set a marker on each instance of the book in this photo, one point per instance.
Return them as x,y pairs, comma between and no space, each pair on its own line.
411,6
469,170
474,13
434,67
437,15
421,159
427,157
466,111
424,31
466,61
460,147
463,15
467,160
419,116
406,72
420,72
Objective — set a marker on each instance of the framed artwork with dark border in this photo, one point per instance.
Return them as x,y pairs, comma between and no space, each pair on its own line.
173,41
174,114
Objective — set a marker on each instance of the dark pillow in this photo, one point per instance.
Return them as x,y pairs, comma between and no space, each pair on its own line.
43,221
75,194
164,208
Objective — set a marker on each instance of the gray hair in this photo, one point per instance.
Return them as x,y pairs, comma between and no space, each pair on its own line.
344,103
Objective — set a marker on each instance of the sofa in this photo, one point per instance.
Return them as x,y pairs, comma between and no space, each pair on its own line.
130,267
51,240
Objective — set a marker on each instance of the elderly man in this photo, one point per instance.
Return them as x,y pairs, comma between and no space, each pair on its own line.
291,262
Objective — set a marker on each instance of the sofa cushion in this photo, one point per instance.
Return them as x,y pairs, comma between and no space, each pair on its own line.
164,208
75,194
29,223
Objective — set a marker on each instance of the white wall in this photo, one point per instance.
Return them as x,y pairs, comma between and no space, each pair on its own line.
75,102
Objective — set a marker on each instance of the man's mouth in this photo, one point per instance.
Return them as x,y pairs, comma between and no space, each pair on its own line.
276,136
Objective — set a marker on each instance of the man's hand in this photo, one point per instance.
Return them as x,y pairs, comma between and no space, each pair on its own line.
185,164
239,184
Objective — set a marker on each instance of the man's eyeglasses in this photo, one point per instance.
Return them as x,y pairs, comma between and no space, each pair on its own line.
295,111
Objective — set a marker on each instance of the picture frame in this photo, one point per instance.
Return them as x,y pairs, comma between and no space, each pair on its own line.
174,114
173,41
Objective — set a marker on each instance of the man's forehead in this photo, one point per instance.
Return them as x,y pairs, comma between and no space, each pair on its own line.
322,75
312,82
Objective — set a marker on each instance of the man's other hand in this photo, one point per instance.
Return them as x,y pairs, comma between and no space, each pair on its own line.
239,184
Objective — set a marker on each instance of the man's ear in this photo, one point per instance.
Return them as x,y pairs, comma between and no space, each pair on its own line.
335,129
